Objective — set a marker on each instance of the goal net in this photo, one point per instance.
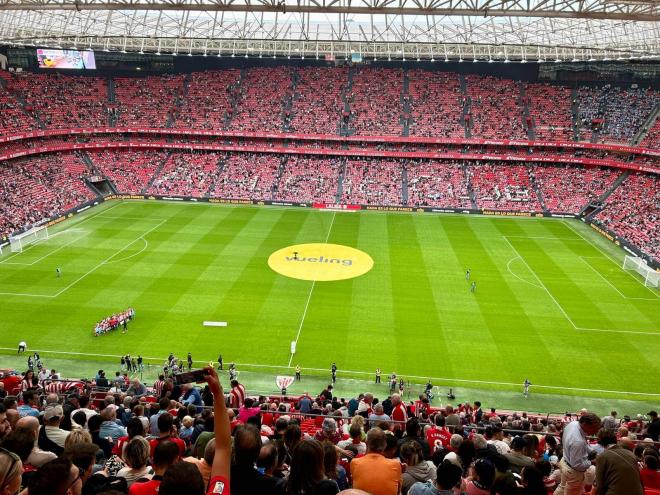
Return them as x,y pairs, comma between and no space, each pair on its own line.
19,242
651,277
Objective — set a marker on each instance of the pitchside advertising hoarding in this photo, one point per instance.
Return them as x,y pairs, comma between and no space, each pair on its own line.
65,59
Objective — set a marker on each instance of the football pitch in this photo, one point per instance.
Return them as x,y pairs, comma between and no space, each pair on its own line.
551,302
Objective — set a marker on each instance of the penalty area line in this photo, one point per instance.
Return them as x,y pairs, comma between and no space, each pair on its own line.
352,372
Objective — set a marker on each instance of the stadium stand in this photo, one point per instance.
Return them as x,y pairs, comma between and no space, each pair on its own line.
632,212
433,183
372,182
550,110
569,189
495,110
376,102
309,180
187,174
652,138
208,102
317,100
90,422
40,187
433,94
505,188
147,101
13,118
130,171
261,99
248,176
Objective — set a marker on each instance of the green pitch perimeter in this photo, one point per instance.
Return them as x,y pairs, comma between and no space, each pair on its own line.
551,303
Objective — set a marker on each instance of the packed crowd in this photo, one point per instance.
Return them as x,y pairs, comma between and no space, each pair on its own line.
13,118
309,179
129,170
376,102
248,176
507,188
147,101
616,113
317,100
188,174
632,212
375,182
438,184
115,321
36,188
179,438
433,94
495,108
550,111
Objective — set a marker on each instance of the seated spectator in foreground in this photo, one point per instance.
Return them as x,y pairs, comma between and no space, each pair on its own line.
518,460
617,472
37,457
374,473
448,476
167,433
109,427
204,464
649,473
245,479
355,433
51,436
58,477
307,474
182,477
165,454
418,470
136,456
11,469
480,479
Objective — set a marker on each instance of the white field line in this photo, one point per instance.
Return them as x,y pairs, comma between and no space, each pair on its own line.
311,290
563,311
584,259
55,250
96,267
352,372
544,238
608,256
108,259
146,245
508,267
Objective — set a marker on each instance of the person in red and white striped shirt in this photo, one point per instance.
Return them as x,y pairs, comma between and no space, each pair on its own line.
237,394
399,412
158,385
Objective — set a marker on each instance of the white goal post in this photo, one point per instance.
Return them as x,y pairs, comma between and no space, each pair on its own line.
35,234
651,277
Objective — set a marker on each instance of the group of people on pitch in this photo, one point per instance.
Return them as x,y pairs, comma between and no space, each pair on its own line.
114,322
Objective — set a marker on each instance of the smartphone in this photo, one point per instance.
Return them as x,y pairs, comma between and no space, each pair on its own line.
196,376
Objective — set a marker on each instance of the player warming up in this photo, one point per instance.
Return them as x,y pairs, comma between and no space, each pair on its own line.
58,272
467,274
473,287
526,385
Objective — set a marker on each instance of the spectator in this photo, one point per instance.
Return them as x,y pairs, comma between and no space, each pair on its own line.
204,464
355,434
307,475
610,422
518,460
167,433
617,473
413,433
57,477
374,473
37,457
532,481
245,479
51,436
182,477
418,470
192,396
136,457
94,425
109,427
328,432
653,428
448,475
137,389
481,478
30,405
220,469
165,455
163,406
576,461
399,413
649,473
334,471
377,415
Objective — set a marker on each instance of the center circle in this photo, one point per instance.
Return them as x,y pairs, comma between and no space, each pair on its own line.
320,262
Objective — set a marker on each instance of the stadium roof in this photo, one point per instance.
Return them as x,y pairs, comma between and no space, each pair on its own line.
429,29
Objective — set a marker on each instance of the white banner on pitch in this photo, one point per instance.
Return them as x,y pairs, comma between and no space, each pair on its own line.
215,323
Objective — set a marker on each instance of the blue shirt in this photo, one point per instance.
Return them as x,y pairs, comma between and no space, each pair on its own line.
192,397
113,430
26,410
427,488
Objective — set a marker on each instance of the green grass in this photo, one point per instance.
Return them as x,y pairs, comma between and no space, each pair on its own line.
551,305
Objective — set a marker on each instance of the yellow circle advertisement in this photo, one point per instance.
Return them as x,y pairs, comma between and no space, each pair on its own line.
321,262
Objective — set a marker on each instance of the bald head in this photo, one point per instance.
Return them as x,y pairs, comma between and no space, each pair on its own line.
12,417
396,399
29,424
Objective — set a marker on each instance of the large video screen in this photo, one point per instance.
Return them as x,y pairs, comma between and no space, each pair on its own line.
65,59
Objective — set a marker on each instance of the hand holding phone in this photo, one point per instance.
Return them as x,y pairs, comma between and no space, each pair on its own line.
196,376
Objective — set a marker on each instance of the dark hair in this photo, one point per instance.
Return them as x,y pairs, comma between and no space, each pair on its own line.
165,423
94,423
500,462
164,403
135,427
28,395
544,467
247,445
651,462
448,475
466,452
330,460
182,477
292,436
486,473
166,453
306,467
439,420
412,427
20,442
606,437
53,478
533,480
80,418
